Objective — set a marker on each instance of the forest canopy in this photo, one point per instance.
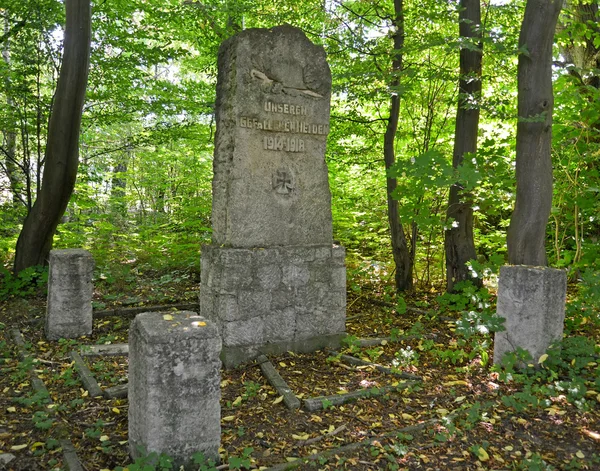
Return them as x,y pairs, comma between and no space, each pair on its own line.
142,198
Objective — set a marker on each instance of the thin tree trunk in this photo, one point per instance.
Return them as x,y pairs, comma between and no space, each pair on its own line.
459,244
62,148
9,144
527,232
403,256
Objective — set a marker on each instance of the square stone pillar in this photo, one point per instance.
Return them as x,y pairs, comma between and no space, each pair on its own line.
532,300
174,386
70,288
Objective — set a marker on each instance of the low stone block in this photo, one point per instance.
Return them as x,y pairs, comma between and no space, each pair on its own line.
70,289
174,386
532,300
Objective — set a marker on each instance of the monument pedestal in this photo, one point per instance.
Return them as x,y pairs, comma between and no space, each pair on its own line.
274,299
532,300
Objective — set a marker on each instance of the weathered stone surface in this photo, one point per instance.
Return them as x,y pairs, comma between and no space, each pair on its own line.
532,300
289,308
174,385
272,111
272,260
70,288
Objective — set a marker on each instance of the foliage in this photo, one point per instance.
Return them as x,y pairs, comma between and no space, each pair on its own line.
24,284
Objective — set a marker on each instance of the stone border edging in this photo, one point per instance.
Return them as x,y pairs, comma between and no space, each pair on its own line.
383,369
114,349
317,403
70,455
137,310
87,378
19,341
275,379
117,392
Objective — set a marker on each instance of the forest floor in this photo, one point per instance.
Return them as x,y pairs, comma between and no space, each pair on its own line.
463,414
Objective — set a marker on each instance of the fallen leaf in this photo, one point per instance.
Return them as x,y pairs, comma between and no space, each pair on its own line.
167,317
543,358
580,454
18,447
11,409
104,438
115,410
228,418
278,400
237,402
458,382
303,436
482,455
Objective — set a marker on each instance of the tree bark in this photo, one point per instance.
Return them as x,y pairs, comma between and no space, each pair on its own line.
9,144
583,53
62,147
527,231
403,256
459,243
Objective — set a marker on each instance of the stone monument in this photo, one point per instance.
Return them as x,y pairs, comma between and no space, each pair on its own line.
272,279
70,289
532,300
174,386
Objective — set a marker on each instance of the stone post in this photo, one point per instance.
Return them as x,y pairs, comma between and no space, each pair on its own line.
532,300
174,386
70,288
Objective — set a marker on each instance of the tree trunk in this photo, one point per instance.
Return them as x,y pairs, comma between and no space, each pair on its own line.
527,231
459,244
62,147
403,256
9,144
583,51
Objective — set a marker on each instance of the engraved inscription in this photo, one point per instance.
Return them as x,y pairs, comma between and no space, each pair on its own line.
288,144
292,126
285,108
282,182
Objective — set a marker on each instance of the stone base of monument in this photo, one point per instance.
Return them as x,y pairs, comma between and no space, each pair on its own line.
70,289
532,300
271,300
174,386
